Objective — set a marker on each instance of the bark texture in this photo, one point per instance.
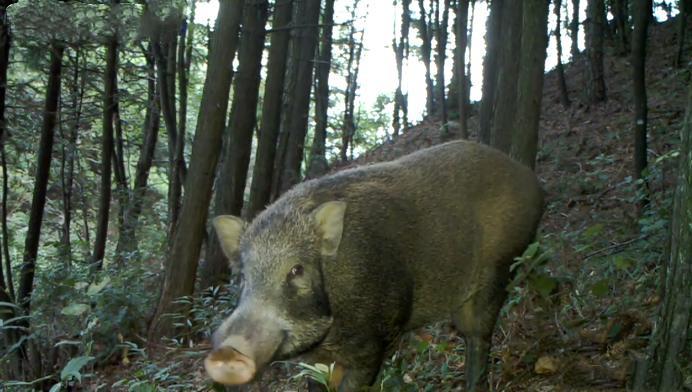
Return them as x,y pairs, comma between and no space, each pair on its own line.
181,268
263,172
230,184
296,120
534,42
595,17
317,164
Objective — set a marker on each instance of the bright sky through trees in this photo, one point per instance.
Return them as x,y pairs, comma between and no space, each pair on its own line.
378,70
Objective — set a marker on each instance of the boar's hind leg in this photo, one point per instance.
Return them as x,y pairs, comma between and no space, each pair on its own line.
476,321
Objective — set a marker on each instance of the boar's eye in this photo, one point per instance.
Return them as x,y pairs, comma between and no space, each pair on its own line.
296,271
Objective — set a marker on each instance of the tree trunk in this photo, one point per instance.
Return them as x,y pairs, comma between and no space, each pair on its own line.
318,161
38,202
440,59
296,123
179,275
469,50
595,16
118,157
349,124
165,45
505,107
490,66
167,65
127,239
461,28
574,30
401,52
534,42
426,54
350,127
109,101
620,14
5,43
669,344
9,286
233,172
562,83
69,149
84,204
641,16
684,9
182,65
263,172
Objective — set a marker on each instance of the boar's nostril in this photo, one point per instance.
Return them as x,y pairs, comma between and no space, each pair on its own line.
227,365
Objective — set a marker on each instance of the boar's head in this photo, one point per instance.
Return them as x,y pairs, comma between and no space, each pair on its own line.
283,309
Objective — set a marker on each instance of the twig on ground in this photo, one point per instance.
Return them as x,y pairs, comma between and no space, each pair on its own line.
614,247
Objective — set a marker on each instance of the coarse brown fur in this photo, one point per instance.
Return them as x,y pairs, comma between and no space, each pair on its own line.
427,237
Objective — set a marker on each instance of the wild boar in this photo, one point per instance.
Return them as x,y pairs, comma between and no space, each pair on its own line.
340,266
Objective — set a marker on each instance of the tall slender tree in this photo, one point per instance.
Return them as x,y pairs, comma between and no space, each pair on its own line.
574,29
127,239
619,9
181,267
25,355
6,285
595,29
401,50
352,71
109,117
164,34
426,55
69,134
441,37
317,164
534,41
461,29
295,122
490,64
230,190
642,15
685,9
562,83
263,172
507,74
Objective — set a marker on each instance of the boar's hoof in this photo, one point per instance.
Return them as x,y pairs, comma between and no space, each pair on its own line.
227,366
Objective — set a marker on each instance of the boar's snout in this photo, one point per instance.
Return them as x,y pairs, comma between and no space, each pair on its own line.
229,366
242,346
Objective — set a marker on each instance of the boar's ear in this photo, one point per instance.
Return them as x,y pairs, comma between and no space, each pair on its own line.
228,229
329,220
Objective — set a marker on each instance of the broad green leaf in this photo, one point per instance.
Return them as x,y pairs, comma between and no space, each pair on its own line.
8,305
74,309
73,368
95,288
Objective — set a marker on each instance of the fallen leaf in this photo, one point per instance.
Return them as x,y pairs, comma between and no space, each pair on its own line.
546,365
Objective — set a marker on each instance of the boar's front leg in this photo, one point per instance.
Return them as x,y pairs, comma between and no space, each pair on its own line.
476,360
476,321
361,365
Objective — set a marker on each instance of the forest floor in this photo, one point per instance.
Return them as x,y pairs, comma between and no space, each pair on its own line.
585,312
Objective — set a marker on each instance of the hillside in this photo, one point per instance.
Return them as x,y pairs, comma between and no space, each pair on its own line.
584,315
